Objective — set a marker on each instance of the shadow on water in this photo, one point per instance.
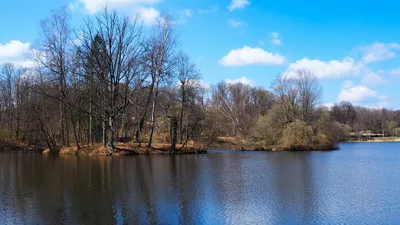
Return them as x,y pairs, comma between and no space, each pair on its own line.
357,184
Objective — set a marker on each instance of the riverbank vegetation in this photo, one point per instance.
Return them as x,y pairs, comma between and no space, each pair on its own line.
116,87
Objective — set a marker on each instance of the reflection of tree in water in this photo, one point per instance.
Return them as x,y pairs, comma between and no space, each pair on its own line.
183,173
13,196
145,188
35,191
59,190
150,190
293,187
94,189
227,190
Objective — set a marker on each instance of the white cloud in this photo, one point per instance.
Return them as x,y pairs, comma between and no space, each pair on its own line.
15,52
379,52
325,69
94,6
275,39
357,94
148,15
348,66
14,48
74,5
24,63
361,95
378,105
395,72
372,78
243,80
212,9
187,12
196,83
183,15
203,84
327,105
238,4
235,23
251,56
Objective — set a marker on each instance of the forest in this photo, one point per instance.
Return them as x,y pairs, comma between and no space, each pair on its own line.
114,81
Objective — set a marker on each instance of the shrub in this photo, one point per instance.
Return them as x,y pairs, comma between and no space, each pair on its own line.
268,129
297,135
323,142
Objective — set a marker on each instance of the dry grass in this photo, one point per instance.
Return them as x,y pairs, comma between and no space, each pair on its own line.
320,143
13,145
236,142
378,139
130,148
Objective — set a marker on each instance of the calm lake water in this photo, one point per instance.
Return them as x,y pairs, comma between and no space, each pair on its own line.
359,184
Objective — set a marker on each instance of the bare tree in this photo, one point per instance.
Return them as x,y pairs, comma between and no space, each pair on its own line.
54,59
159,58
287,95
309,94
7,104
114,64
239,103
298,95
344,112
188,79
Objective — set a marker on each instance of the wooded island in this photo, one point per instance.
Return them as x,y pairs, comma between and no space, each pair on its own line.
115,87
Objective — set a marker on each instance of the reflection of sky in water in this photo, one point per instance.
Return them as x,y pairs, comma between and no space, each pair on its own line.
357,184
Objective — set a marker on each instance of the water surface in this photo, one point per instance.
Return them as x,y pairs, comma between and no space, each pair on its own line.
359,184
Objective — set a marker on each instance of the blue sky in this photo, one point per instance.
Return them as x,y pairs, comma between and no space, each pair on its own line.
351,46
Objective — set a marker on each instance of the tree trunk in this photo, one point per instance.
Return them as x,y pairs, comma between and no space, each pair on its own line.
18,120
182,111
74,128
174,128
138,131
90,138
153,112
153,120
62,127
111,124
66,127
104,133
143,118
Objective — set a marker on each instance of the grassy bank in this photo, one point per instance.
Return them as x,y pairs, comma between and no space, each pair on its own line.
243,144
129,149
99,150
375,139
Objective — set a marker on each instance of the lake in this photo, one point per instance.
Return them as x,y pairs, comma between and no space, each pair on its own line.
358,184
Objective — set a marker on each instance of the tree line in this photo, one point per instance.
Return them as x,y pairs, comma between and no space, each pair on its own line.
114,81
109,80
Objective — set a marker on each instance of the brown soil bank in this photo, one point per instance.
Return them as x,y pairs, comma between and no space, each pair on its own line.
11,146
128,149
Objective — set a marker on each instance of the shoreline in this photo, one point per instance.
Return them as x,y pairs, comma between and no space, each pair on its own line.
241,144
122,149
133,149
129,149
272,148
374,140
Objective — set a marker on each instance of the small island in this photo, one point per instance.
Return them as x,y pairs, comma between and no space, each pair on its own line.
110,88
199,112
